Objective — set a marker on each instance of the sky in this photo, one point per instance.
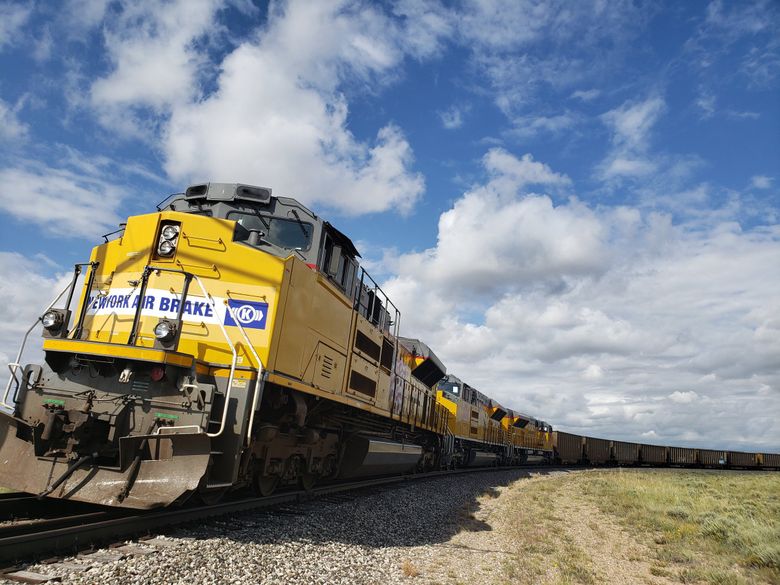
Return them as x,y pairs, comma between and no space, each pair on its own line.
575,204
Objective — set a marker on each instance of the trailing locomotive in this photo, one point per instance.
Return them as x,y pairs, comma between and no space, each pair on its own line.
231,340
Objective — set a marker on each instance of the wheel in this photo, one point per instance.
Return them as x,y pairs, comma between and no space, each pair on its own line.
307,481
266,484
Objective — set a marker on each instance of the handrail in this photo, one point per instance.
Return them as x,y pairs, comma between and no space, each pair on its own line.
15,365
259,370
207,295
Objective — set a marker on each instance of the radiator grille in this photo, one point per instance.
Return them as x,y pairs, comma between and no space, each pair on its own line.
367,346
360,383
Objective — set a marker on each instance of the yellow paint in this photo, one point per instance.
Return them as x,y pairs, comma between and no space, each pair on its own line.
123,351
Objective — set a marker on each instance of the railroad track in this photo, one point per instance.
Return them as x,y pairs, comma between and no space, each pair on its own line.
21,507
67,534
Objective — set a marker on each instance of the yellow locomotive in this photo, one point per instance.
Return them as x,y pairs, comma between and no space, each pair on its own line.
230,339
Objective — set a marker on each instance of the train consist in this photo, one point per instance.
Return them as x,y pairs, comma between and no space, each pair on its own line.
574,449
231,340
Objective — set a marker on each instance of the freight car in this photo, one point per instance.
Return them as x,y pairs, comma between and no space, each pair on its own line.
232,340
571,449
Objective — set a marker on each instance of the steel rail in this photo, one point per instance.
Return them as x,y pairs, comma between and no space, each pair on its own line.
70,538
23,507
21,527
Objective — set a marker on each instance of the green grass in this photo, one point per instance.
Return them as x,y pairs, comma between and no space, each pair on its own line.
704,527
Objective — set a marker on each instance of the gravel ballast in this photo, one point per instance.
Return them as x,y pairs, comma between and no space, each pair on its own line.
367,538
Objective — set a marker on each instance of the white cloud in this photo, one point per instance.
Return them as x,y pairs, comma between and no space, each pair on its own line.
13,17
514,46
593,372
596,318
706,103
529,126
11,128
721,38
155,60
279,109
83,15
25,297
498,236
630,125
451,118
586,95
761,182
683,397
72,200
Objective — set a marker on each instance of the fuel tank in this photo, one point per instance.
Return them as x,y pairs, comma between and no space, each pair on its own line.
366,456
481,459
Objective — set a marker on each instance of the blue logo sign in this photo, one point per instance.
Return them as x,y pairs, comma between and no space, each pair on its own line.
250,314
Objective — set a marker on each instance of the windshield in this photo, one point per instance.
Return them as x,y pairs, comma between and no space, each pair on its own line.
285,233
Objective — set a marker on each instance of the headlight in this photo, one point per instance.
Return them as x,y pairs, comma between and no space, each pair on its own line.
169,232
52,320
165,330
165,248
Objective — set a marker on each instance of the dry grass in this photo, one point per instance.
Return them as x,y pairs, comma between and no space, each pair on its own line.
536,526
409,570
632,527
703,527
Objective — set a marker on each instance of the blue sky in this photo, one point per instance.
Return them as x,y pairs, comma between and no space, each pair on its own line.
575,204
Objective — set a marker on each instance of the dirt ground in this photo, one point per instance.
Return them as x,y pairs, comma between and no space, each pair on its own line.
537,530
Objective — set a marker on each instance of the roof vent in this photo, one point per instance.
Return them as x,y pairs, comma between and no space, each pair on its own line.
228,192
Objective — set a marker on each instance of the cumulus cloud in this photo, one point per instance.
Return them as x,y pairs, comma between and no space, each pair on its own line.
683,397
279,109
154,57
499,235
277,103
602,321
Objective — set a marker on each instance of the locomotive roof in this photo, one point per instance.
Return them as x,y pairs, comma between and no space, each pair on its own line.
212,196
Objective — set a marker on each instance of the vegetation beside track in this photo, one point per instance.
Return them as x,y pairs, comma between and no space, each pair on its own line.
679,526
703,526
627,526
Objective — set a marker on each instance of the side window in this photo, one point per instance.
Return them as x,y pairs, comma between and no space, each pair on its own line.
339,268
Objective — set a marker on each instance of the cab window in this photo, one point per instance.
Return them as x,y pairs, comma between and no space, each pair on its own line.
285,233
